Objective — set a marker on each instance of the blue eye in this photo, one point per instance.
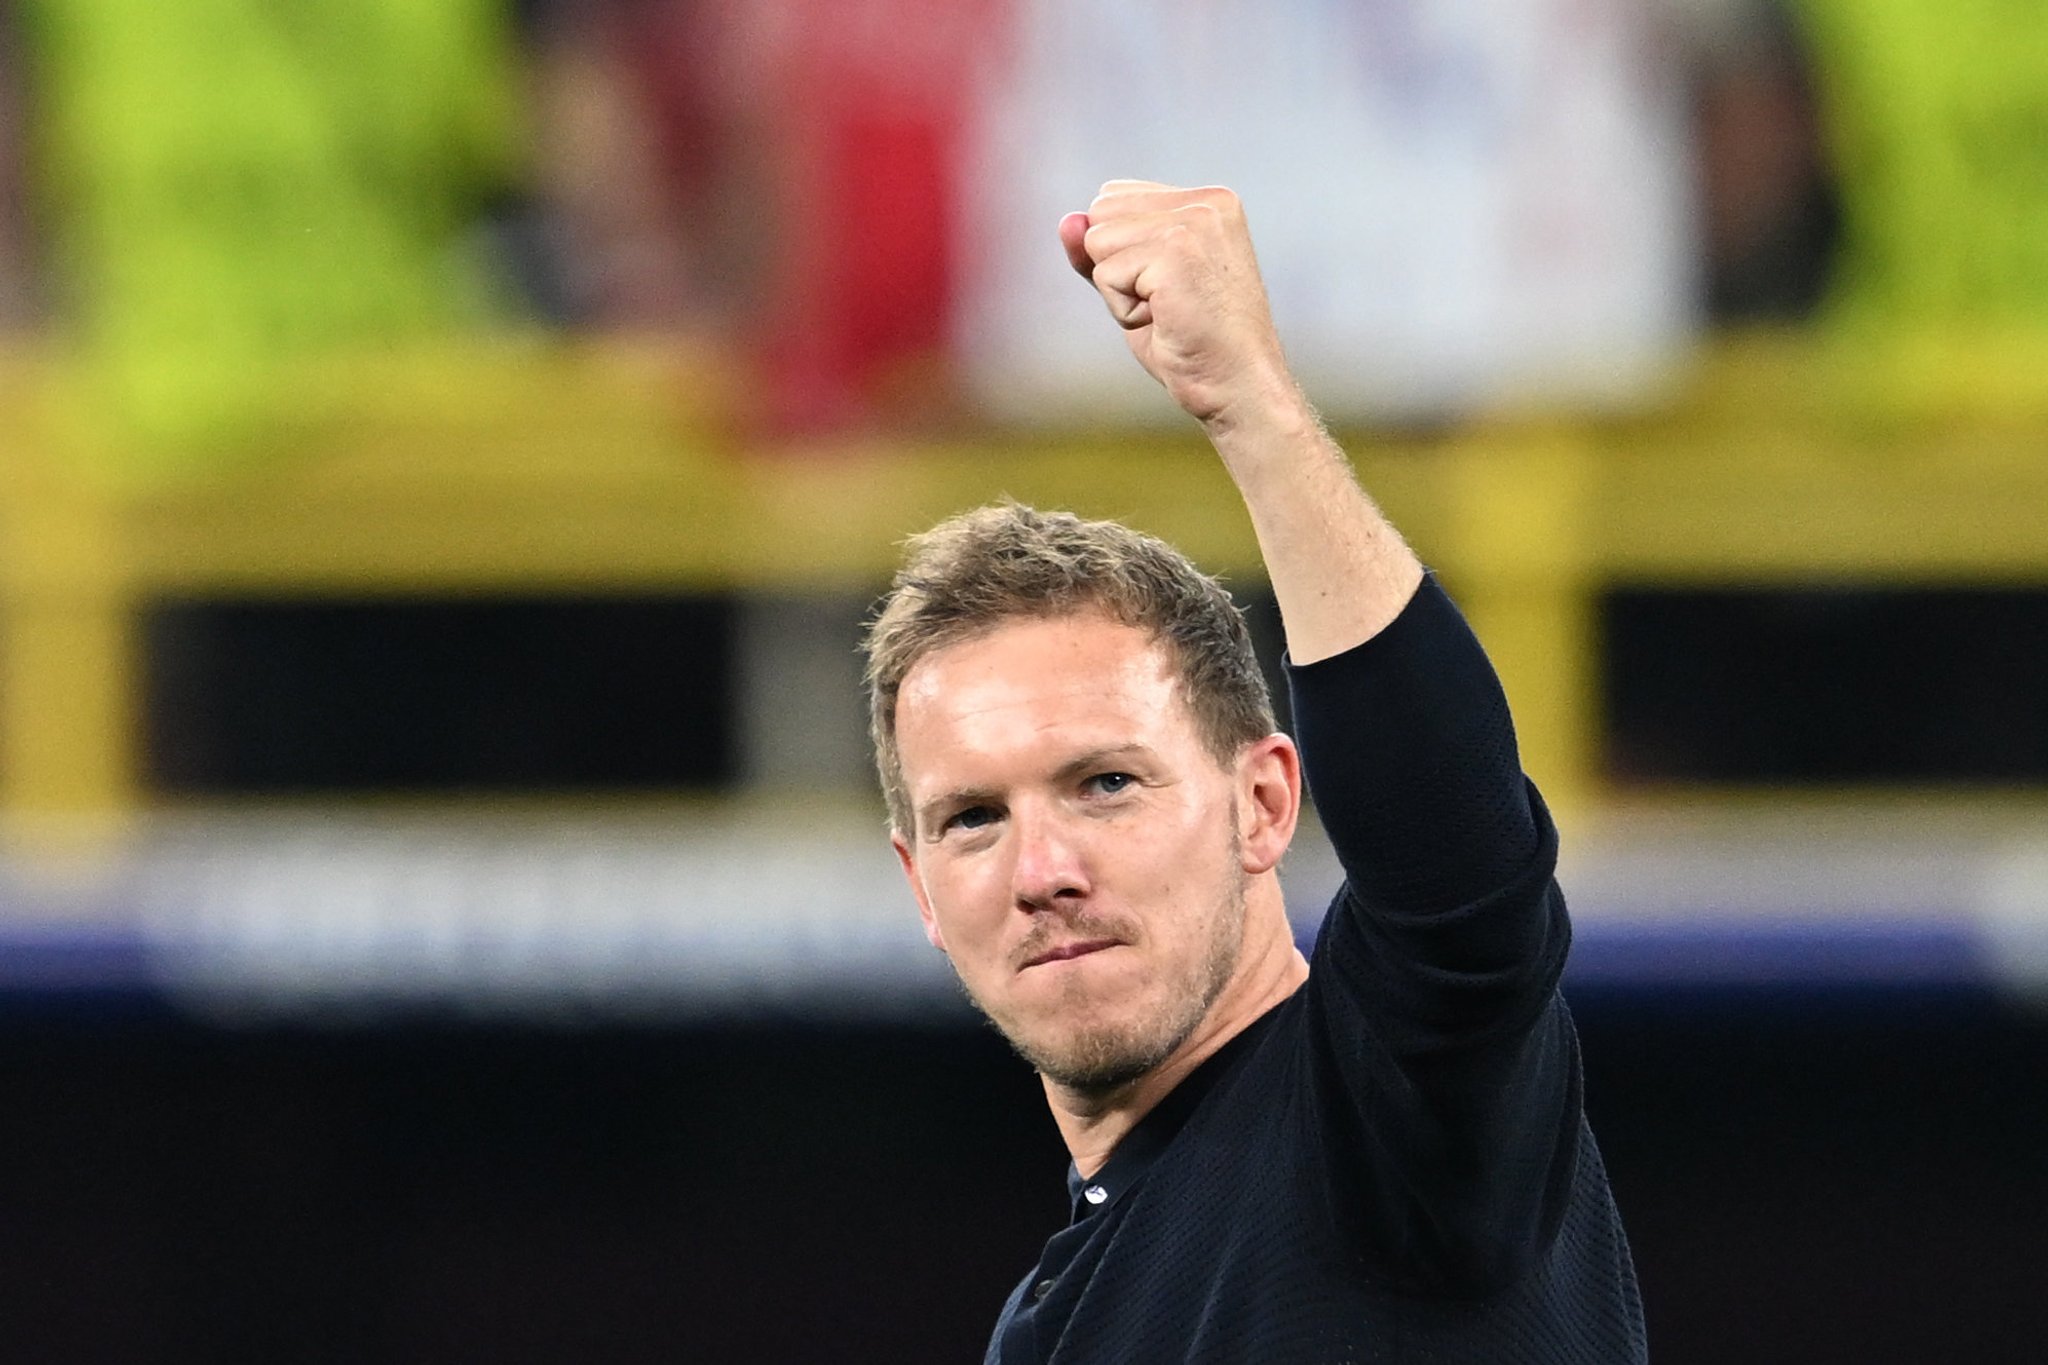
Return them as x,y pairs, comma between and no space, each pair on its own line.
974,817
1109,784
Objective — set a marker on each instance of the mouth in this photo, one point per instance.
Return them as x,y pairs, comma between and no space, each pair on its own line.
1067,952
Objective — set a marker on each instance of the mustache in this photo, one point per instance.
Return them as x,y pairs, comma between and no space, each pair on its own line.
1075,928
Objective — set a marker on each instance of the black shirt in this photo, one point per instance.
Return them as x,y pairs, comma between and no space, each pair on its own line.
1391,1165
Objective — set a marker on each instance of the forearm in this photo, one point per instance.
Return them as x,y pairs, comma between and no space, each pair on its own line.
1339,569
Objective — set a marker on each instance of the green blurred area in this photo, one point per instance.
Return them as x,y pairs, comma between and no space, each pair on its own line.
1938,121
235,188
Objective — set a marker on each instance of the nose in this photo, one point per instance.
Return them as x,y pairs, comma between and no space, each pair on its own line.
1050,865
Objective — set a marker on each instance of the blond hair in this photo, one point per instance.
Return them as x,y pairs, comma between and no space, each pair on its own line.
973,572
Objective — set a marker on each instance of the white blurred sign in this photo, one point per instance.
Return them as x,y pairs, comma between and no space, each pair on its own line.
1455,205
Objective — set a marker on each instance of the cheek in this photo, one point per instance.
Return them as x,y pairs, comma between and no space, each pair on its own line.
967,899
1197,872
1182,846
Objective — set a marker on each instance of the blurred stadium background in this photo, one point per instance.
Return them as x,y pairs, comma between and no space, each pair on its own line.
446,451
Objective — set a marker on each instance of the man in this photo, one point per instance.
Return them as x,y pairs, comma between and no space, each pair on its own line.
1380,1159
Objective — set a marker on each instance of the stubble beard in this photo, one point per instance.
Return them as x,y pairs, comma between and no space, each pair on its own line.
1100,1059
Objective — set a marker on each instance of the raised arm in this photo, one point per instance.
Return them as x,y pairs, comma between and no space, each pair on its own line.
1423,726
1177,271
1447,1073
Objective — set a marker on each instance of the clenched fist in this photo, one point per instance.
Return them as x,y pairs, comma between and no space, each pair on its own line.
1176,268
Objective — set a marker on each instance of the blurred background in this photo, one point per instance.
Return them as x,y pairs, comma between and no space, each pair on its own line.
446,454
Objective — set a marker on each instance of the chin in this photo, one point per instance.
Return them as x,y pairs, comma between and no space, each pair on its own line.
1096,1061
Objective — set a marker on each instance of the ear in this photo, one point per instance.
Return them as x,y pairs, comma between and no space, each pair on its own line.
924,902
1268,801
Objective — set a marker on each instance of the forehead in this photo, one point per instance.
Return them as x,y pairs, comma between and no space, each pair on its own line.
1077,680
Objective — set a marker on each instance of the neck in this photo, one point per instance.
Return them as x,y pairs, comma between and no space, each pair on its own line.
1269,969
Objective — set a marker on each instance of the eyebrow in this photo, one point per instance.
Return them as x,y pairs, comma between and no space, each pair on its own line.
962,798
1095,758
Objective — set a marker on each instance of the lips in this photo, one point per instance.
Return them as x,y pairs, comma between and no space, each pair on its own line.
1066,952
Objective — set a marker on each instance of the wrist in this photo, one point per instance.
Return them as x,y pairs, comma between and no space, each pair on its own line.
1271,414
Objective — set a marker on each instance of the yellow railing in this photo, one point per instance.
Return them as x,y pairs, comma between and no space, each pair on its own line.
536,469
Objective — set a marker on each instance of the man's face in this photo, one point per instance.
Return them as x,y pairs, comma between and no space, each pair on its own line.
1074,848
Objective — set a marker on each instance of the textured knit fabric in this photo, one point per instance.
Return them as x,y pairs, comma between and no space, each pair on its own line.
1392,1164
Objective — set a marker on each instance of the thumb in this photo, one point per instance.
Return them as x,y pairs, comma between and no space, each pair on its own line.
1073,236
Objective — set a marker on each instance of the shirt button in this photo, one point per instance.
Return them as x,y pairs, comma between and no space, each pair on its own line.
1040,1290
1095,1194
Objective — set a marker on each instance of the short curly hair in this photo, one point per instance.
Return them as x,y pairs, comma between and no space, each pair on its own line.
1004,562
